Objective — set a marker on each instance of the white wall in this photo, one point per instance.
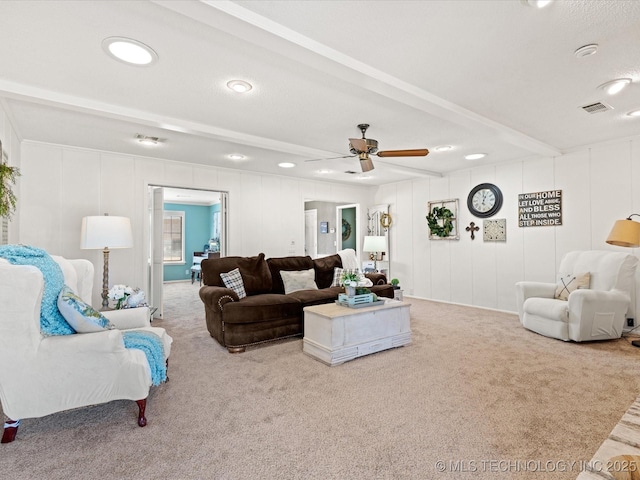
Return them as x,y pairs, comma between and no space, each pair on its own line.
61,184
11,146
599,185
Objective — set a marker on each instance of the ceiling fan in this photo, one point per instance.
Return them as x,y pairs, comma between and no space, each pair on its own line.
364,147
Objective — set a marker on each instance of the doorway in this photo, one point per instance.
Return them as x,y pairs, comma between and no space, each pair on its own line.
311,233
348,235
182,221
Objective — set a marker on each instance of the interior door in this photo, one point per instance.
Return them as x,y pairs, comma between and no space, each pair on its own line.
311,233
348,231
224,213
157,251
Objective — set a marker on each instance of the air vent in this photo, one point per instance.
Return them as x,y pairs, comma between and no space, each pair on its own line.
351,172
596,107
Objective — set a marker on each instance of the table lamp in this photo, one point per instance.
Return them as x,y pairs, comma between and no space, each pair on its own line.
375,245
105,232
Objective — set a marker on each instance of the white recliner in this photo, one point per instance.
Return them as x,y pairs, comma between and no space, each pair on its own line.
41,375
596,313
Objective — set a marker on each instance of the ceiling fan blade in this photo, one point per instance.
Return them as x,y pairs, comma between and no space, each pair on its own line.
365,162
420,152
330,158
359,144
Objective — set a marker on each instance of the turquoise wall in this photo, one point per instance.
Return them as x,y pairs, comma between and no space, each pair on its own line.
197,226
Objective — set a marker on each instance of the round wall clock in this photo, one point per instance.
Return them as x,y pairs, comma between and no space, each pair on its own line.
484,200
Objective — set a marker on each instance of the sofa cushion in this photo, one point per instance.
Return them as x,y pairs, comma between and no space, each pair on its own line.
287,264
262,308
298,280
233,280
254,271
324,268
317,297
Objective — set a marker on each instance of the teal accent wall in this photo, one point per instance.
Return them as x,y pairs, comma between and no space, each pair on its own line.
349,215
197,226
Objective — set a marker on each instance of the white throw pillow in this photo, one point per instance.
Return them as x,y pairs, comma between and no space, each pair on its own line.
82,317
233,280
569,283
298,280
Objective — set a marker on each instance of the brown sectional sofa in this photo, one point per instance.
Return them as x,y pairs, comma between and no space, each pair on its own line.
267,313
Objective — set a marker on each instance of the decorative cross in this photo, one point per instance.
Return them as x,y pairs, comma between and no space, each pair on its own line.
472,228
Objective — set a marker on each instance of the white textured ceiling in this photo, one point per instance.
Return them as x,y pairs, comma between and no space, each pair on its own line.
497,77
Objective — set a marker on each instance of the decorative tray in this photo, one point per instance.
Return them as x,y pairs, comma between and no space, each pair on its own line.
358,301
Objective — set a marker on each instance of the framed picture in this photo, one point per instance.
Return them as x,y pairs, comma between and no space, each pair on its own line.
442,220
495,230
324,227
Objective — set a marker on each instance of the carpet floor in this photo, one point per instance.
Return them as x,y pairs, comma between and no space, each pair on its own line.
475,396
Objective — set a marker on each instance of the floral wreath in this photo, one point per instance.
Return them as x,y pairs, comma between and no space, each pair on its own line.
433,219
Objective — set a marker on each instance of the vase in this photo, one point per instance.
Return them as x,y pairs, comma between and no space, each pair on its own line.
350,291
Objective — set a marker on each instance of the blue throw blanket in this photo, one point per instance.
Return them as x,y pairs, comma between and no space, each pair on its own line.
152,346
53,323
51,320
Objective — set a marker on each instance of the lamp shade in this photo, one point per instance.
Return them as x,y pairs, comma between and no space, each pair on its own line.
625,233
106,232
375,244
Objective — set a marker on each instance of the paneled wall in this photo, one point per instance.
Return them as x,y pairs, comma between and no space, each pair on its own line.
9,229
60,185
599,185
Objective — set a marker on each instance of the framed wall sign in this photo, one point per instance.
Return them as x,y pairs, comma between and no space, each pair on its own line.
540,209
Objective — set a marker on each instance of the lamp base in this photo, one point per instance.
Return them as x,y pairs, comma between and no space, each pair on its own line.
105,279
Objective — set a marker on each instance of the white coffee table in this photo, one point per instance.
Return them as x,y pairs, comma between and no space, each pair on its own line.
335,334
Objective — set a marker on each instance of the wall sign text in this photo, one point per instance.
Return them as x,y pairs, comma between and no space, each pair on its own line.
540,209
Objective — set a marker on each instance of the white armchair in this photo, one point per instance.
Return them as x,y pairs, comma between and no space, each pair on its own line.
596,313
41,375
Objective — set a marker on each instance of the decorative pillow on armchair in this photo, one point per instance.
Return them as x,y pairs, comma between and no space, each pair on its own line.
233,280
82,317
569,283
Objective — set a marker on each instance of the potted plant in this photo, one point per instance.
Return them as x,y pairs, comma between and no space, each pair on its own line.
8,199
350,282
396,284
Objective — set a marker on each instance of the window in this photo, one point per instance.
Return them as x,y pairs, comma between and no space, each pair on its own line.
173,237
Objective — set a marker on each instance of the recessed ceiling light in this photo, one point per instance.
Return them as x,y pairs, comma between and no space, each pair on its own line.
615,86
239,86
364,177
286,165
147,140
129,51
443,148
537,3
634,113
475,156
586,50
324,171
236,156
